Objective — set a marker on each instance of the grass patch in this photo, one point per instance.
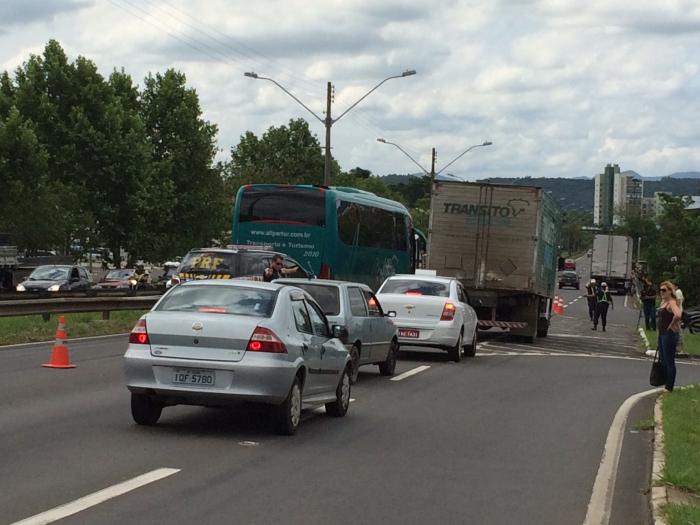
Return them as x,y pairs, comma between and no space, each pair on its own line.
31,328
644,424
682,514
691,342
681,410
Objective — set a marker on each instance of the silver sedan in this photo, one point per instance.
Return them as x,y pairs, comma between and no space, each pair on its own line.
212,343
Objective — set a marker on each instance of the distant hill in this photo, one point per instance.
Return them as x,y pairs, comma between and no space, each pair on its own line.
577,193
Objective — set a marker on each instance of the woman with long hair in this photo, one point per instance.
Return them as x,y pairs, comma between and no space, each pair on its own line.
669,325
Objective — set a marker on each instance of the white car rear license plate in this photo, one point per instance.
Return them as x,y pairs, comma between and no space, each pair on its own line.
192,376
413,334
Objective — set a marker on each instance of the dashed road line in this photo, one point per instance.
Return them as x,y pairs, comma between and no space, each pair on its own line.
98,497
410,373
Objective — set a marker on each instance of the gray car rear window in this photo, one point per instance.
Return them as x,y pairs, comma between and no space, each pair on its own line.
231,300
328,297
416,287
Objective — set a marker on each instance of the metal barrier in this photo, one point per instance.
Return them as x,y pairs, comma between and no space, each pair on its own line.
41,295
76,305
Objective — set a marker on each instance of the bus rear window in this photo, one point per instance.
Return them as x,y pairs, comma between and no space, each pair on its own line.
283,206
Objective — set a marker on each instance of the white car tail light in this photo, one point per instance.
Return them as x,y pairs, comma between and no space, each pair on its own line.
448,312
265,340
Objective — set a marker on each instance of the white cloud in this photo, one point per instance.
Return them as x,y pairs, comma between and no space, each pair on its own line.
560,87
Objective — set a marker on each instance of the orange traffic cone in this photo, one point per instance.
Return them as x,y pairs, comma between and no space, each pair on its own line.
557,306
59,355
561,306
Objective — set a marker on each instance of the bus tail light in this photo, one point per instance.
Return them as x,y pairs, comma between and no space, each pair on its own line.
265,340
448,312
325,272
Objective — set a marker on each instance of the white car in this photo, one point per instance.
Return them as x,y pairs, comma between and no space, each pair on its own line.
431,311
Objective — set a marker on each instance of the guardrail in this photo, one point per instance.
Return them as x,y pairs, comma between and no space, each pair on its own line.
65,305
117,292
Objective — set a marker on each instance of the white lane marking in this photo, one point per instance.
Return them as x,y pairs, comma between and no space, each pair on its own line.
98,497
625,304
410,373
600,505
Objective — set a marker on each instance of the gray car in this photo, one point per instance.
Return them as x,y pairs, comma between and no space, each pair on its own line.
216,342
353,310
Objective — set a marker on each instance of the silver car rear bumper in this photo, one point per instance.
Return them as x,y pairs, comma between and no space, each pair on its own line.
259,378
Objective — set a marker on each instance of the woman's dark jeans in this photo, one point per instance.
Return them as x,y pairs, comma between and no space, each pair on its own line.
667,351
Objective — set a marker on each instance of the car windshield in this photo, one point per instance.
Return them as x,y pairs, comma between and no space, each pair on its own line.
416,287
328,297
570,274
209,262
234,300
118,275
50,273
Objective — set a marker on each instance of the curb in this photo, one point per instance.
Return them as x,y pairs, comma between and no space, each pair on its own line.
650,353
659,493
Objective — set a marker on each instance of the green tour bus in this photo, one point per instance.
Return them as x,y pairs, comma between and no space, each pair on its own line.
335,232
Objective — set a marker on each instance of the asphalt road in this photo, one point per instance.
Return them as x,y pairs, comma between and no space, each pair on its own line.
514,435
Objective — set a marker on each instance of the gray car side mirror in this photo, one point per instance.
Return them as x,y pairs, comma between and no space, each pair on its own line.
391,313
340,332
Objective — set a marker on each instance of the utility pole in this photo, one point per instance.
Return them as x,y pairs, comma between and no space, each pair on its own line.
329,123
432,165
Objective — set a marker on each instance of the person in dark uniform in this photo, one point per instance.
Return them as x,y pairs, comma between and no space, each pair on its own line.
649,305
669,316
603,301
276,269
590,297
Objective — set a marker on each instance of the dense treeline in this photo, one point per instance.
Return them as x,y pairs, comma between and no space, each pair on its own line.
91,162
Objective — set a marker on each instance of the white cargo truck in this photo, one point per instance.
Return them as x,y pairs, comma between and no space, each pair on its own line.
611,262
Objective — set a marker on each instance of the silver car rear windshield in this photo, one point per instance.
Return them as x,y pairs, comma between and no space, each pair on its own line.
328,297
416,287
215,299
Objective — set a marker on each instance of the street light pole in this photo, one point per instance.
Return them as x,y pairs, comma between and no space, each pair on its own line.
329,121
432,173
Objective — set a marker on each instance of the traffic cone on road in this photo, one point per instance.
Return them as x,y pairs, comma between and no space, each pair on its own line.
557,306
59,354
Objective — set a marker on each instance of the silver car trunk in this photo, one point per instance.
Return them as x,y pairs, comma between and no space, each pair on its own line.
192,335
419,310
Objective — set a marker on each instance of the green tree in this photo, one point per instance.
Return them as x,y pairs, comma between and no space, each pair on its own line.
283,155
27,191
183,146
674,254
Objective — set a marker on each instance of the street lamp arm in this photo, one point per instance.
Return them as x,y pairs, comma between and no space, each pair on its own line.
405,153
404,74
256,76
487,143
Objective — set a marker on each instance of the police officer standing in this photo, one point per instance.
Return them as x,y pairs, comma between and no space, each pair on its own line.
591,298
603,301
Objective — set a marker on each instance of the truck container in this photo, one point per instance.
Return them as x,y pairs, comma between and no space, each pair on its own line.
501,242
611,261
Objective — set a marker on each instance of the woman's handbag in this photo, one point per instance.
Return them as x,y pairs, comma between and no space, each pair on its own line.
657,376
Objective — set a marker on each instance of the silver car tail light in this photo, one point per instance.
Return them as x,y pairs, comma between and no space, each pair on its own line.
139,335
265,340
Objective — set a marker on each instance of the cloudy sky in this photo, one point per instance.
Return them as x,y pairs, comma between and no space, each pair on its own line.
561,87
